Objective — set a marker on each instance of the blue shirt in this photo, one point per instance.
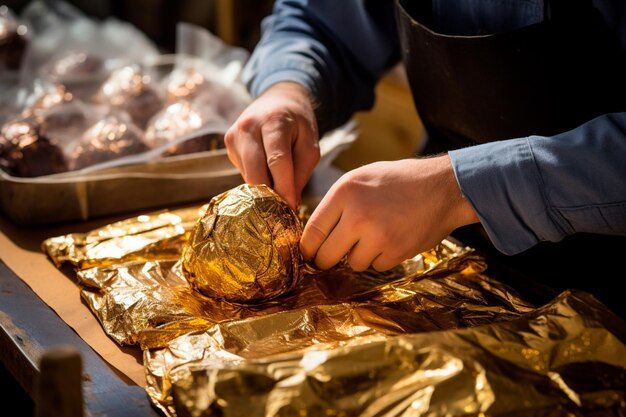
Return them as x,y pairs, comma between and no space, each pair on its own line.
524,190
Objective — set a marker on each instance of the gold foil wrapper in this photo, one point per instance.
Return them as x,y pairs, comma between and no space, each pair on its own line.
434,336
246,246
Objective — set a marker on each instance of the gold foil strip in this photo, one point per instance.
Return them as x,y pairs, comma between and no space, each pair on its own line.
158,235
434,336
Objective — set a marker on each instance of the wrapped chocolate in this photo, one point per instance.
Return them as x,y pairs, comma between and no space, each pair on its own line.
26,150
174,121
128,88
69,119
13,40
182,125
81,72
184,83
42,101
203,143
245,247
113,137
74,64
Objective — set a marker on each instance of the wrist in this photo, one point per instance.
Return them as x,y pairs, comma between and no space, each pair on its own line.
462,211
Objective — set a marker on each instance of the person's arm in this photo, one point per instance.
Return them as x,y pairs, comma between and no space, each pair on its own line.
523,191
316,64
536,189
383,213
337,49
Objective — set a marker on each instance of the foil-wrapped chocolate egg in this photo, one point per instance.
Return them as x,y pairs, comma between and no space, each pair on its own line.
129,89
111,138
74,64
203,143
45,100
184,83
13,40
26,151
174,121
245,248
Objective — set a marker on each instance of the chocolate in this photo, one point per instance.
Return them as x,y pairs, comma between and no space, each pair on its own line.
13,40
174,121
184,83
26,151
203,143
245,247
75,64
50,98
111,138
128,89
69,118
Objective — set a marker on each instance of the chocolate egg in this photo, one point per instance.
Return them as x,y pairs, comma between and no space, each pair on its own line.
245,248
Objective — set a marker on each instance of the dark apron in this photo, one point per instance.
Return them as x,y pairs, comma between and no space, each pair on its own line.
541,79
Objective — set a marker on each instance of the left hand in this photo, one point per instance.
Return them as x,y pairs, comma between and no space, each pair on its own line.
386,212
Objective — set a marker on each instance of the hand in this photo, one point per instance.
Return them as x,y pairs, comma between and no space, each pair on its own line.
275,141
383,213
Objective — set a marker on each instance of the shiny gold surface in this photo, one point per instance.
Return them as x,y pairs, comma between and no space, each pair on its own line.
246,246
434,336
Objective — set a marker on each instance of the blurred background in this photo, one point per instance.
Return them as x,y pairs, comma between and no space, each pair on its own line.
235,21
391,130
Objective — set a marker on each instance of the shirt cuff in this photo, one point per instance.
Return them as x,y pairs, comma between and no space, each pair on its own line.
502,183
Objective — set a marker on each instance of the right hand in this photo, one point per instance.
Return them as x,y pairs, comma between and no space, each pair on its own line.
275,140
382,213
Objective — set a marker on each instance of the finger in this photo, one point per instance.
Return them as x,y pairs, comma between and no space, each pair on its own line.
306,155
322,221
277,136
231,148
339,242
363,254
250,156
384,262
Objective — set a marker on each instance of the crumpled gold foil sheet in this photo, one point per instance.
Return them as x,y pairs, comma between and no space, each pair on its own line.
567,358
434,336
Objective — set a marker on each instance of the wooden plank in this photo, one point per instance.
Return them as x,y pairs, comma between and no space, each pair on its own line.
59,391
28,328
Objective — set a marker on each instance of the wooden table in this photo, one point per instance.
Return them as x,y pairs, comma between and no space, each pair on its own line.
28,327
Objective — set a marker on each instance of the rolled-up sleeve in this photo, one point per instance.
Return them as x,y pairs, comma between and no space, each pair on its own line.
535,189
337,49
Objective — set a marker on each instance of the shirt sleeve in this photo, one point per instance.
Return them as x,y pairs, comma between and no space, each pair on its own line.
337,49
535,189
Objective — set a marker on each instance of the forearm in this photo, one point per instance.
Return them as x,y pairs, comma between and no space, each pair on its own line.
537,189
309,43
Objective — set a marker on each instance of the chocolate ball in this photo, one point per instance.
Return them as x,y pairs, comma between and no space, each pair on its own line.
184,83
25,150
13,40
202,143
48,99
128,89
66,119
174,121
75,64
111,138
245,248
